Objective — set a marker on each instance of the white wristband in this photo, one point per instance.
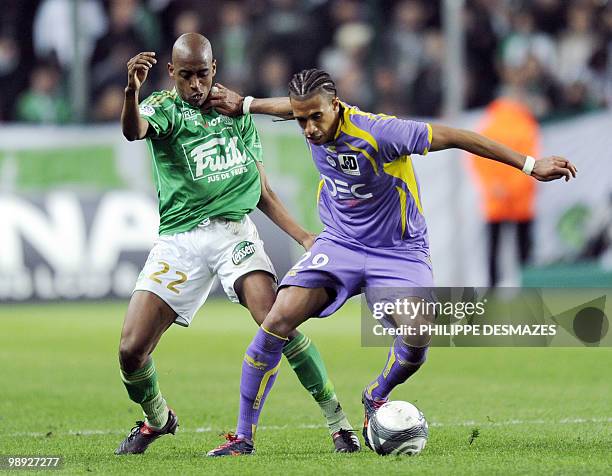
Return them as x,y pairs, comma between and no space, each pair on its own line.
529,163
246,104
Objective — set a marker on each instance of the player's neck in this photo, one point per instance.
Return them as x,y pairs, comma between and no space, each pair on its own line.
337,125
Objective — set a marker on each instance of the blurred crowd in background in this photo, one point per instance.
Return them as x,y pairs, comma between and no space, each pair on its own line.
386,56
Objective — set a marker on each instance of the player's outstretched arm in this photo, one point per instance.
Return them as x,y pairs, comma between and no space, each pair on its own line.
135,127
231,103
270,204
545,169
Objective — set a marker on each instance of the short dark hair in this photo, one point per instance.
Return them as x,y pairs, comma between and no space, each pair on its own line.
309,81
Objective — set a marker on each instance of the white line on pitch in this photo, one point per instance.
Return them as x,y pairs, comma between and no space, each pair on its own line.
208,429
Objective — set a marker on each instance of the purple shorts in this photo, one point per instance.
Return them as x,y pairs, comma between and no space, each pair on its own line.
345,268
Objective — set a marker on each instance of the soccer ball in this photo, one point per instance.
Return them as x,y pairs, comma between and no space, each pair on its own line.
398,428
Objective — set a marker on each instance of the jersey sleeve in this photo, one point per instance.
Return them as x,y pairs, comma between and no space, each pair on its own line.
152,110
399,137
250,136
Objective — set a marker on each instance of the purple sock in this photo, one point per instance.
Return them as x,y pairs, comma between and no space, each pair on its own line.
402,362
259,370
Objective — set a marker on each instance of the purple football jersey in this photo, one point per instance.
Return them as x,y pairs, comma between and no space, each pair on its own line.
368,191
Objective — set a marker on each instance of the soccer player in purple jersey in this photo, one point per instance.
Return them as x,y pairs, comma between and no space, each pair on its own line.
375,235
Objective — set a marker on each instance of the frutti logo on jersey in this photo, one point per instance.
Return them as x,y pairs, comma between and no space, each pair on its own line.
217,158
242,251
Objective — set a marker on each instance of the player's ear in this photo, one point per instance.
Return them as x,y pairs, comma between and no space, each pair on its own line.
214,67
171,70
336,104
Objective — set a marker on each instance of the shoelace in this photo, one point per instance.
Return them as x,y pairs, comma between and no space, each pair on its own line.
376,404
230,437
134,431
346,435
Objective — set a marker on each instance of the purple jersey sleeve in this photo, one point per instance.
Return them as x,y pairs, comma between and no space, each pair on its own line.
398,137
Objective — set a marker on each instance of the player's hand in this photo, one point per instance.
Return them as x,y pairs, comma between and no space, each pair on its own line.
224,100
309,241
138,69
553,168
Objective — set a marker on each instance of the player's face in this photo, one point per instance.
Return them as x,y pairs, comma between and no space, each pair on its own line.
318,116
193,78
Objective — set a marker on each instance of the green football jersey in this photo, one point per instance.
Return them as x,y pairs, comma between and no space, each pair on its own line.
204,163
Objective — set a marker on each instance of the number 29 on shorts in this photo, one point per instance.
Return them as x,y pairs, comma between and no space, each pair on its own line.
318,261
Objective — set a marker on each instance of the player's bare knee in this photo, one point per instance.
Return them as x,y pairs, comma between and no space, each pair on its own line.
276,323
132,355
418,327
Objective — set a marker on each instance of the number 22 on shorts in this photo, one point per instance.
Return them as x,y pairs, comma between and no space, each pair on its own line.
182,277
319,260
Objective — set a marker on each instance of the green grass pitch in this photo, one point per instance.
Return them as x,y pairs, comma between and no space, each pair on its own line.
536,411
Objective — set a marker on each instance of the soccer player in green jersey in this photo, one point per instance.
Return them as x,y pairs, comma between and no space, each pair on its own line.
209,176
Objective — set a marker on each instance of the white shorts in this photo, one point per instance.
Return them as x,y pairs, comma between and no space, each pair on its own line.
181,269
